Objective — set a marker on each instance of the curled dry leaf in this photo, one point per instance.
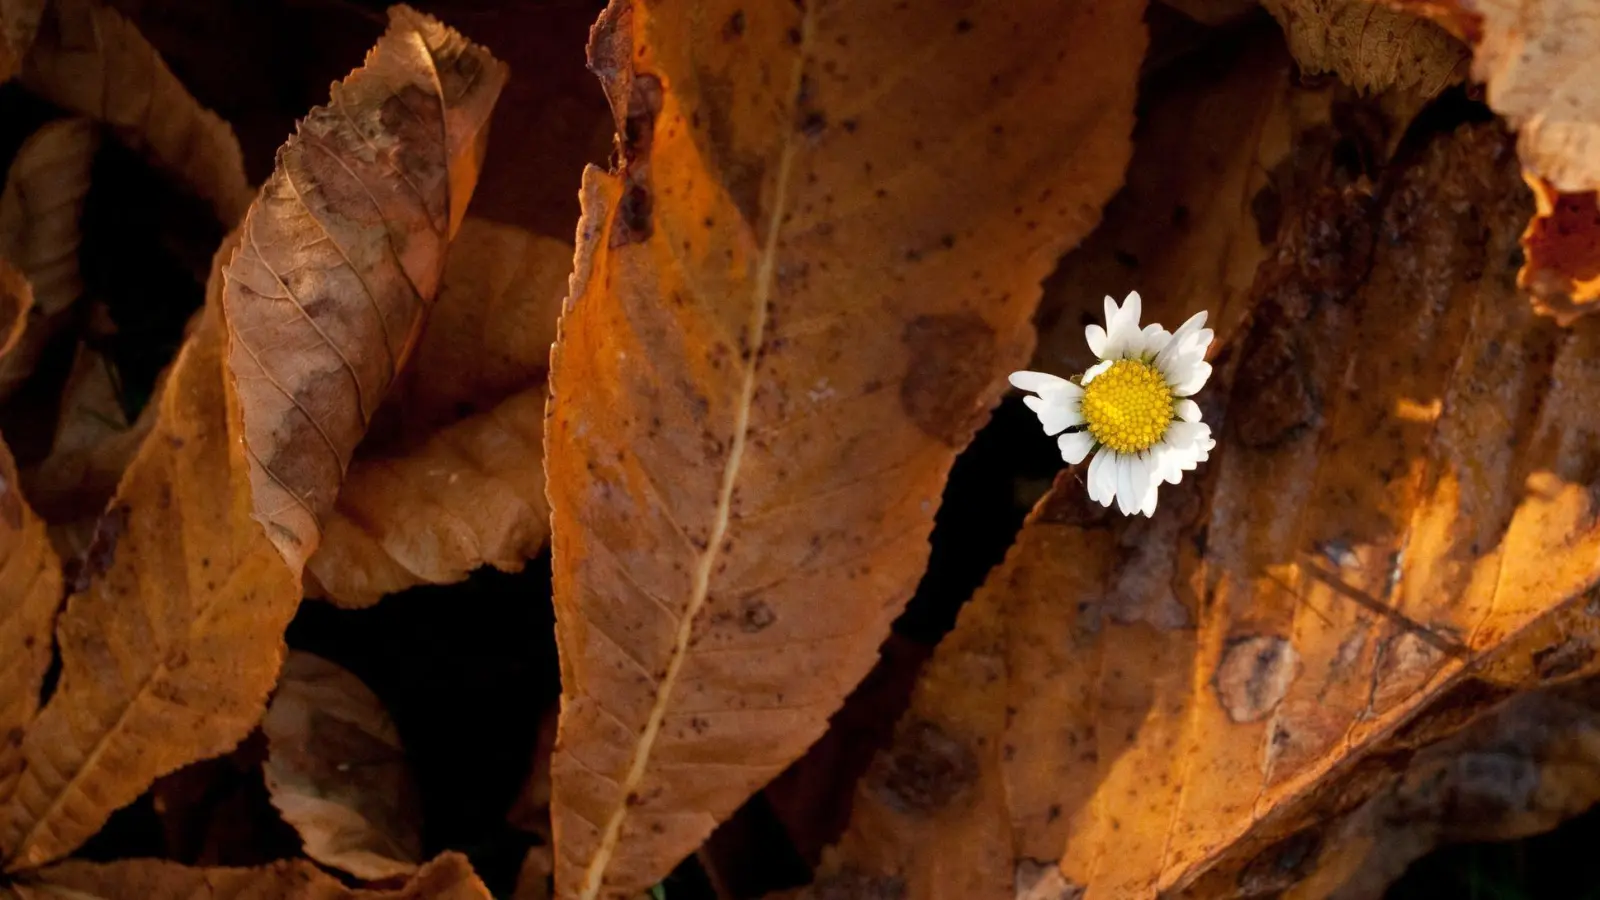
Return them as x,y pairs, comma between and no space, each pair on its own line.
1372,47
1562,250
794,303
336,771
40,213
30,580
1402,503
341,257
90,60
1214,162
448,877
454,479
1522,770
173,639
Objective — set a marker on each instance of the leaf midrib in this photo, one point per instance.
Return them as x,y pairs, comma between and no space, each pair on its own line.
700,585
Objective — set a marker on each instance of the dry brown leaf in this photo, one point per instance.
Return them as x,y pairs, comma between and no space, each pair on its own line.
19,22
1562,249
1372,47
533,879
794,303
39,231
16,303
445,488
341,257
1213,12
448,877
1212,169
337,772
1522,770
93,444
1403,502
173,641
90,60
30,592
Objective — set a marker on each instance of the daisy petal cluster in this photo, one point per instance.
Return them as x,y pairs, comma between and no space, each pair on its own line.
1132,408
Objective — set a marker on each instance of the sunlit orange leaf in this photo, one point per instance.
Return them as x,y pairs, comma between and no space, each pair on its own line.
1372,47
1402,499
449,877
337,773
30,591
90,60
341,257
451,477
39,231
173,640
1562,245
1211,172
795,300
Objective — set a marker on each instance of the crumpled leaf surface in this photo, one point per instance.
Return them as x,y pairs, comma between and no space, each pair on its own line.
1562,248
90,60
793,303
1520,771
174,635
1372,47
40,213
1403,493
341,257
448,877
337,772
30,576
1211,171
451,477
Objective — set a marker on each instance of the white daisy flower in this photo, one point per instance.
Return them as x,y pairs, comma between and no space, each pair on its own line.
1132,406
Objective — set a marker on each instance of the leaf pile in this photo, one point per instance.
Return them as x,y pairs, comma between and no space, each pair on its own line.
400,499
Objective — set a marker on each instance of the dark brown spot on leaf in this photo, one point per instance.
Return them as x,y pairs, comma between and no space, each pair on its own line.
952,365
925,770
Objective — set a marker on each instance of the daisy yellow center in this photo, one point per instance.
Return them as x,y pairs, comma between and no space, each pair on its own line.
1128,406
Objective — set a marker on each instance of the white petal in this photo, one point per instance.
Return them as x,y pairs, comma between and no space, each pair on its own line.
1184,435
1194,382
1038,382
1187,410
1075,445
1122,328
1095,370
1054,414
1102,477
1096,337
1147,503
1126,494
1150,341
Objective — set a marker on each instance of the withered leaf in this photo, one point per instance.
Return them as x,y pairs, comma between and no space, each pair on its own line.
19,21
342,254
93,444
336,771
16,303
90,60
30,592
794,302
1562,249
1372,47
40,213
174,639
448,877
451,476
1404,495
1211,173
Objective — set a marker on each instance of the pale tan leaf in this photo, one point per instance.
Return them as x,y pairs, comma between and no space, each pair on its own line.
40,214
1372,47
451,477
1401,512
90,60
336,771
448,877
174,639
341,257
793,304
30,592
